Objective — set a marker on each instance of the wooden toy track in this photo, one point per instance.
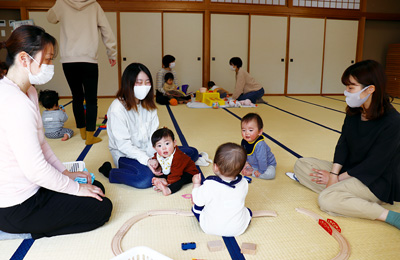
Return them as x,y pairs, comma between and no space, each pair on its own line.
116,242
344,252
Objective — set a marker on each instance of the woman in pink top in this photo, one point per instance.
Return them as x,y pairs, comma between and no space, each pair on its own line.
37,194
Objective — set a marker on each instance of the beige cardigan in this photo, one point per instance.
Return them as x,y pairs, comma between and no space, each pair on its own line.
245,83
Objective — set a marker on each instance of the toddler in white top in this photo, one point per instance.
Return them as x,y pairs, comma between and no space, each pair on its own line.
219,201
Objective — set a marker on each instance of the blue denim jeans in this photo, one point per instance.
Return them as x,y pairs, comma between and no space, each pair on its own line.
253,96
132,173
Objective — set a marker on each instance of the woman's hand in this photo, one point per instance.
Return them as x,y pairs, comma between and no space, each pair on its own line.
89,190
320,176
73,175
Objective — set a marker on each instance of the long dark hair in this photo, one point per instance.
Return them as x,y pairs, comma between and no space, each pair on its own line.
369,72
126,94
30,39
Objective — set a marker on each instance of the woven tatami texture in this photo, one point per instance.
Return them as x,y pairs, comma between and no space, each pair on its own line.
305,126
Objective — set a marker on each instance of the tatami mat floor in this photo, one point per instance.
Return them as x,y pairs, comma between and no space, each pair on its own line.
307,126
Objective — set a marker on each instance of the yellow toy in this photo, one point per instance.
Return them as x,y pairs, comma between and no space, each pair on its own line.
209,98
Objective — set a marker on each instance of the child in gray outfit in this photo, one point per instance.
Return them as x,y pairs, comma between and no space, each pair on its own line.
54,116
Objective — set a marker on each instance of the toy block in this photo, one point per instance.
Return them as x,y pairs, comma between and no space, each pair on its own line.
215,245
188,245
248,248
209,98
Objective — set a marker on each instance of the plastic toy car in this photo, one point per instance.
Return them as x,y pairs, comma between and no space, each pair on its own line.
188,245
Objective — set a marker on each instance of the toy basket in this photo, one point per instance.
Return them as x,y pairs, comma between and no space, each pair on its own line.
77,166
141,253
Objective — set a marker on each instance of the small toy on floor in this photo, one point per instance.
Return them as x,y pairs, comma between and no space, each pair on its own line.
240,103
187,196
102,126
188,245
248,248
215,245
173,102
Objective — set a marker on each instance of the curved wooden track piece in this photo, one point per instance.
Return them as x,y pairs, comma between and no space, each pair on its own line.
116,242
344,252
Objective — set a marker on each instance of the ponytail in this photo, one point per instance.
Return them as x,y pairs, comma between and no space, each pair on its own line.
27,38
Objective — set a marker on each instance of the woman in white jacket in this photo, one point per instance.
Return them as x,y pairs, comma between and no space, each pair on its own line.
132,119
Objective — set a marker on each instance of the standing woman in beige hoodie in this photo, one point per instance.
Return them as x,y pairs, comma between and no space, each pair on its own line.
81,21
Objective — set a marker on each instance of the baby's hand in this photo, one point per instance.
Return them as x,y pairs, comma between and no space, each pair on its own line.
247,170
196,179
153,165
257,173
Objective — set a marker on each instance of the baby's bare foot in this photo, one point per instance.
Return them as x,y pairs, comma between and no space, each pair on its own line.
65,138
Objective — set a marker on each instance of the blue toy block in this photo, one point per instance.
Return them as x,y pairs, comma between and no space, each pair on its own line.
188,245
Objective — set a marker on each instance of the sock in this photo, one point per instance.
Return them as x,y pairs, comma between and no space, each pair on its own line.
105,169
393,218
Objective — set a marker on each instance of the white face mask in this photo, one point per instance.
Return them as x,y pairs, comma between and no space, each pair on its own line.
232,68
353,99
141,91
45,74
172,65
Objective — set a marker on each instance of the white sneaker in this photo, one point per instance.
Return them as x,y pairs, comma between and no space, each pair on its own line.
292,176
203,159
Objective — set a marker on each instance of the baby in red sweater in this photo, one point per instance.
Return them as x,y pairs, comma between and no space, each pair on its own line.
172,167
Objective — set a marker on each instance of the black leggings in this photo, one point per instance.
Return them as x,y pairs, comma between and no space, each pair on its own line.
82,78
48,213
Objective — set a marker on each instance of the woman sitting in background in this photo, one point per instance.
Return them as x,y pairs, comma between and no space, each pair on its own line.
168,63
246,87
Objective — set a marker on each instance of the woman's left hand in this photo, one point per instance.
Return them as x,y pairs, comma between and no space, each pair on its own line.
320,176
73,175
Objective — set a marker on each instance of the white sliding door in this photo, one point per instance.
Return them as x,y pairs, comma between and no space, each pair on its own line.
268,52
183,39
141,40
340,53
305,55
229,38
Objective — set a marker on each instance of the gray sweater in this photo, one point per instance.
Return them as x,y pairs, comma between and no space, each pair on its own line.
53,120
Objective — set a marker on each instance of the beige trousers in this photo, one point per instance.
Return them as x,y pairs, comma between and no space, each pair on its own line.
349,197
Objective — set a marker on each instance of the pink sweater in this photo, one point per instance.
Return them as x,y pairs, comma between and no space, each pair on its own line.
26,159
